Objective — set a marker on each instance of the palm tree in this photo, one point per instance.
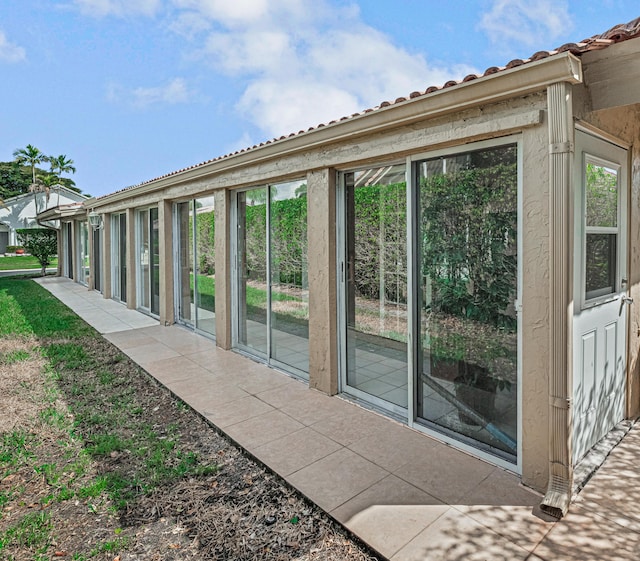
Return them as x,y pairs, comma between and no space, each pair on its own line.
48,182
59,165
29,156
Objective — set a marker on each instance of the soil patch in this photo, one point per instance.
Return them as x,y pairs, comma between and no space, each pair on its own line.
205,500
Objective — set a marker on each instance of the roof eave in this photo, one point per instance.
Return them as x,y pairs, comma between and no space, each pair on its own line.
515,82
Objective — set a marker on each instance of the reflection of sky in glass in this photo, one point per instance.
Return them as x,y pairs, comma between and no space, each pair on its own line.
387,175
285,191
205,204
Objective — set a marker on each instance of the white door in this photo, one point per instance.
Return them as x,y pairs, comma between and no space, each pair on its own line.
600,290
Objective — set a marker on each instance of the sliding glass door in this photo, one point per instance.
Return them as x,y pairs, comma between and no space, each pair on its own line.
148,260
375,295
271,294
467,236
119,256
428,291
82,229
97,260
196,249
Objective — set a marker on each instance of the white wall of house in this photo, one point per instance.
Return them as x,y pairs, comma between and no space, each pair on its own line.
20,211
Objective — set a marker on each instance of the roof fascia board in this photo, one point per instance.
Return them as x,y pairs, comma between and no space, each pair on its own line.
515,82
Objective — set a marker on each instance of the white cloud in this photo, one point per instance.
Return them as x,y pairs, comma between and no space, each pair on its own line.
10,52
174,92
530,23
101,8
307,62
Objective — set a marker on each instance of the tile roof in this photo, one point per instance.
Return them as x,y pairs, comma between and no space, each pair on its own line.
616,34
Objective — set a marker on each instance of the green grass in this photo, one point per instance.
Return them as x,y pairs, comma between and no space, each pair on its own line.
11,263
13,357
33,531
93,407
28,309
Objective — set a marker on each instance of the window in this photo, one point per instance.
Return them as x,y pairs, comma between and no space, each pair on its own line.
468,280
601,228
272,312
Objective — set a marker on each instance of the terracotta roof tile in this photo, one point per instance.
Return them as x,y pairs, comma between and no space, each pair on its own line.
616,34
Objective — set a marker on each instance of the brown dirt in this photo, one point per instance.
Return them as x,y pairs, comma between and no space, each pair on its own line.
242,512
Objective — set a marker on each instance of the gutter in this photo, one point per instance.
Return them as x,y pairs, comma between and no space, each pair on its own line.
561,150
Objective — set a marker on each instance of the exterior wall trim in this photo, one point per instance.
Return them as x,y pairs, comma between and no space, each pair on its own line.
507,84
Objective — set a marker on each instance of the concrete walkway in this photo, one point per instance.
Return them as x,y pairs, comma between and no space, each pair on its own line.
408,496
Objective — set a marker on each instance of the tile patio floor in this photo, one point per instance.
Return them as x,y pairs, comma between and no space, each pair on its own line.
408,496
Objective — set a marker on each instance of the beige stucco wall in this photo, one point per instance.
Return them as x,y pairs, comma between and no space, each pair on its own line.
167,262
535,307
321,257
223,269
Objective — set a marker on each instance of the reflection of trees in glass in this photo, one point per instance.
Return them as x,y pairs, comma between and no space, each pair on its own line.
380,231
468,227
256,241
602,196
289,241
600,264
206,243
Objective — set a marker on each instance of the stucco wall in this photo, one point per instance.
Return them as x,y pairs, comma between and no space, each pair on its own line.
535,307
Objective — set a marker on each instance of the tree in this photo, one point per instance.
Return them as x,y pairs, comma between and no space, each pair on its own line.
14,179
41,243
61,164
29,156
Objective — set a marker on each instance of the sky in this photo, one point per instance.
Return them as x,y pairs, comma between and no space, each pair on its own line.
133,89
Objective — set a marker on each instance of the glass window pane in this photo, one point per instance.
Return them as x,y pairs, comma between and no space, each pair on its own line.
602,196
468,235
123,257
600,264
205,263
376,299
252,269
155,256
289,283
185,249
144,257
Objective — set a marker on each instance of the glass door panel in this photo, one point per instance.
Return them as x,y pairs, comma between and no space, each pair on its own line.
97,263
272,286
467,232
119,256
205,287
186,309
144,259
83,243
289,289
123,257
252,269
376,284
155,256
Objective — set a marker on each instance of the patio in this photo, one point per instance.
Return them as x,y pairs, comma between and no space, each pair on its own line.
407,495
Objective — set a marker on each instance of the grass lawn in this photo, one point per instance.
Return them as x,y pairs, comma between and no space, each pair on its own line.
98,461
71,411
11,263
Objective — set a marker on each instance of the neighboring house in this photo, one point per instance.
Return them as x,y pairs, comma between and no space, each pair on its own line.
20,212
464,260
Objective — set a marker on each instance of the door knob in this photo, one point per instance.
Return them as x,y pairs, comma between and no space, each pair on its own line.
627,299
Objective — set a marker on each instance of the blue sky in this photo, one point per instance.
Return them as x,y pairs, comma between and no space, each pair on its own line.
134,89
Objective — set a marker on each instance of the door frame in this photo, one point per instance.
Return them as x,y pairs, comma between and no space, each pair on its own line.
601,148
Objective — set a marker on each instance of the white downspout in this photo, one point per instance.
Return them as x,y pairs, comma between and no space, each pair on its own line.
561,197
